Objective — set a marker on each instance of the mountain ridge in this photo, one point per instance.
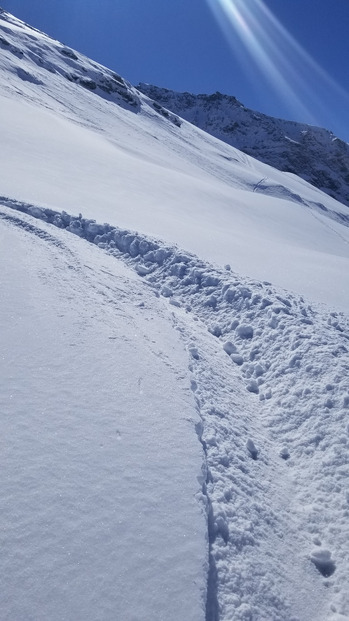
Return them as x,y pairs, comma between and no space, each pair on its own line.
312,153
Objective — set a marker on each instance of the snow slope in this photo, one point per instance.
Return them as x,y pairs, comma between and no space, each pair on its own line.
313,153
111,155
99,511
175,434
270,379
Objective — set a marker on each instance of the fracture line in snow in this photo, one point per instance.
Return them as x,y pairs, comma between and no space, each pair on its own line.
289,364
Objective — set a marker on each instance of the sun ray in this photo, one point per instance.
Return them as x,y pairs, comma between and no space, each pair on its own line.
263,44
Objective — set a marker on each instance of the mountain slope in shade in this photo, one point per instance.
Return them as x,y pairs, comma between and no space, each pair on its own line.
174,426
313,153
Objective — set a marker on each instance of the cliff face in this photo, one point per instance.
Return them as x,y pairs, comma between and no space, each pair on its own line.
312,153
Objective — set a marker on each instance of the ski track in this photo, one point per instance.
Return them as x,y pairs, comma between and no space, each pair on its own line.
269,374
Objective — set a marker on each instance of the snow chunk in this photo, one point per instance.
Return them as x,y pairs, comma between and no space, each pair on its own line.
252,386
284,453
251,447
229,348
323,562
193,352
215,330
244,331
166,292
238,359
142,270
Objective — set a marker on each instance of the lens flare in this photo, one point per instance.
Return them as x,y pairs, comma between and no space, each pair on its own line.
265,48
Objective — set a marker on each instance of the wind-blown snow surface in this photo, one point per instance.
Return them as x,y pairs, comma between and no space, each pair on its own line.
175,435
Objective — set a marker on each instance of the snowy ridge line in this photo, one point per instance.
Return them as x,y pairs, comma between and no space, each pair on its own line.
285,439
72,66
67,63
310,152
8,17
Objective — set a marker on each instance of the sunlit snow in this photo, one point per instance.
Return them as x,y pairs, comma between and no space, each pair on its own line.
174,362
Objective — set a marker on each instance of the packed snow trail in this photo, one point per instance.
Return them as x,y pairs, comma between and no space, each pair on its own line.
101,517
269,375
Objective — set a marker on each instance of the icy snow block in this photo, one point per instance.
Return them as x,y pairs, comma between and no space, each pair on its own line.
245,331
178,269
265,302
181,257
284,453
194,352
244,292
250,445
229,295
142,270
323,562
229,348
166,292
237,359
252,386
222,528
216,331
134,247
143,247
75,227
210,281
37,212
125,242
211,301
161,254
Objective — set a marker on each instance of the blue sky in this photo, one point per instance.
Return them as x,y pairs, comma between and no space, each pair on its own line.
287,58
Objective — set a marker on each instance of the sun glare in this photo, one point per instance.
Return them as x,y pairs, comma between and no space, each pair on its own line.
261,43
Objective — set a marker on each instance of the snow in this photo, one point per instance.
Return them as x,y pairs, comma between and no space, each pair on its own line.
90,152
174,432
313,153
99,508
269,376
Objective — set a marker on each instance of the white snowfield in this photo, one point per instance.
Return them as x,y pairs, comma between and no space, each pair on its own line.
100,502
174,433
76,136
